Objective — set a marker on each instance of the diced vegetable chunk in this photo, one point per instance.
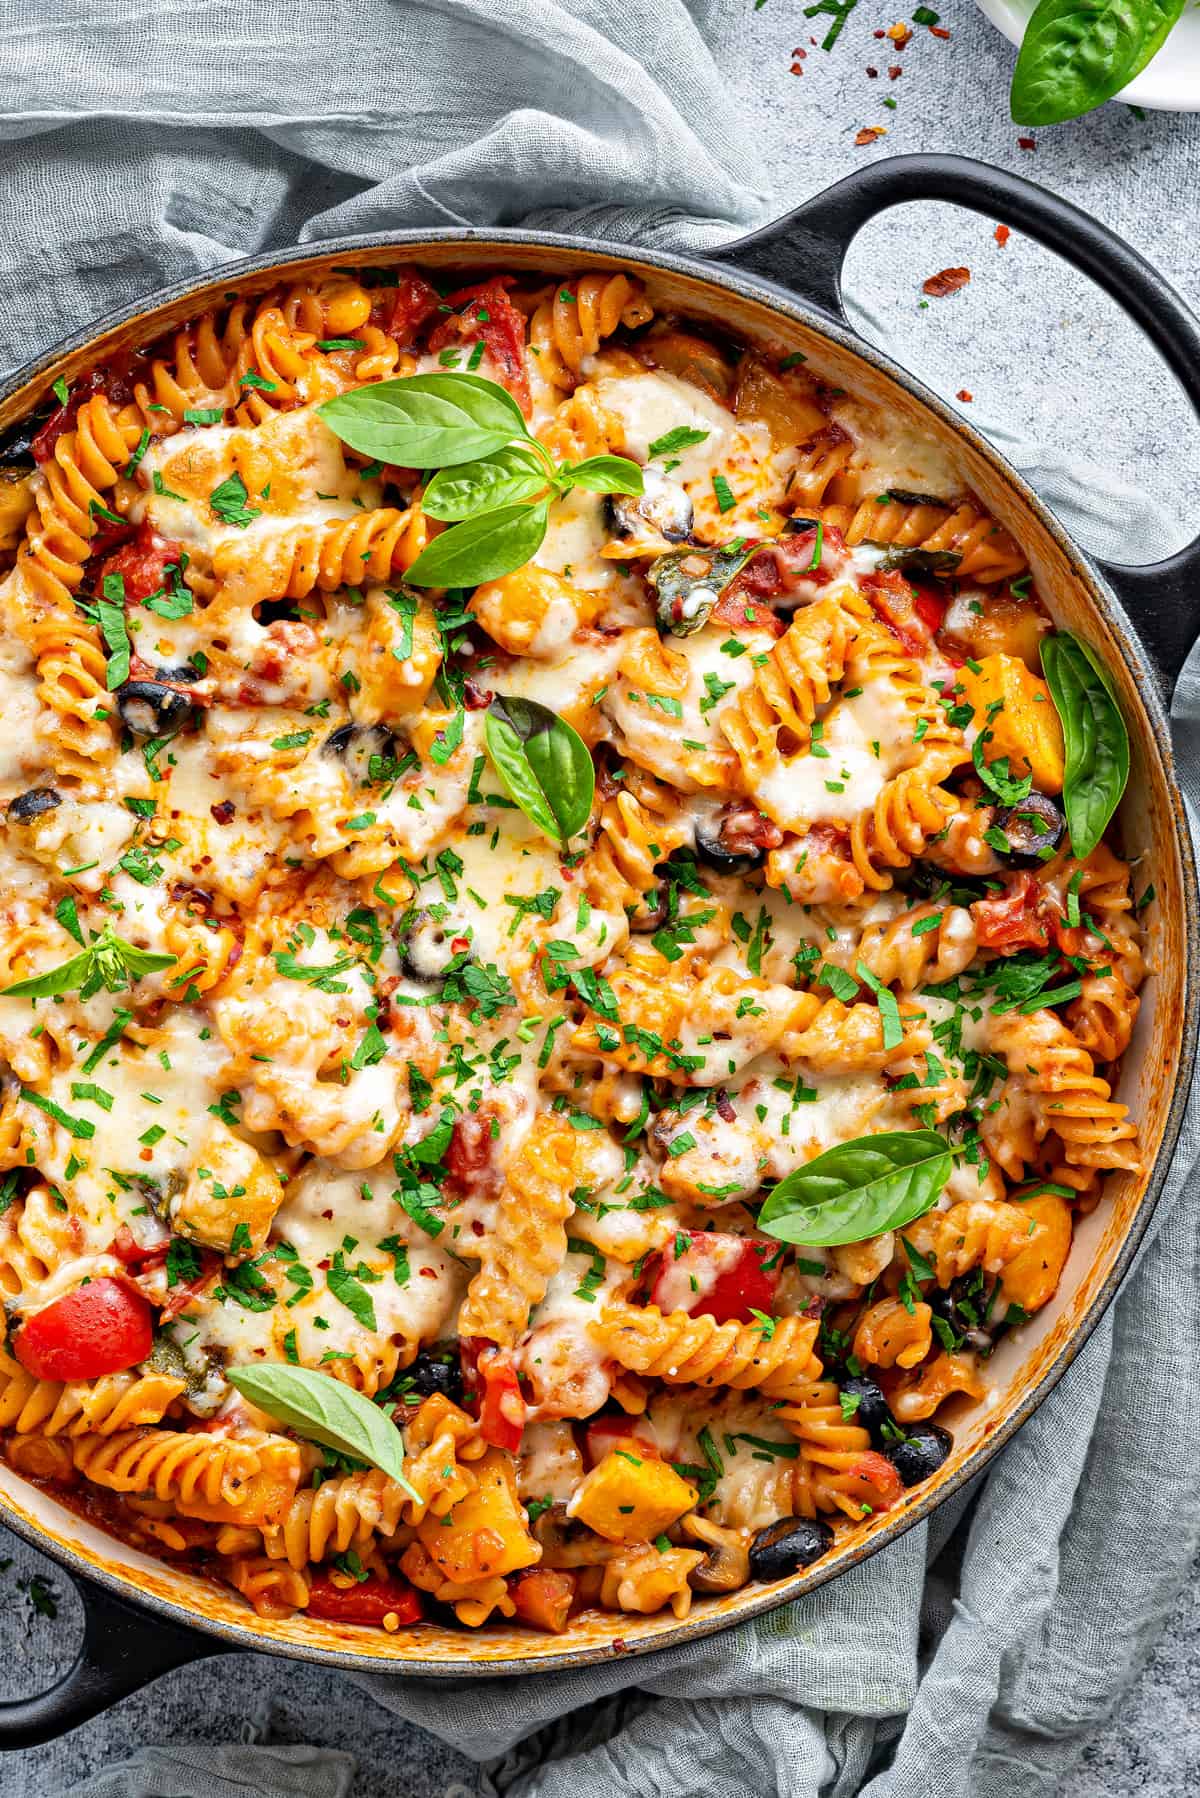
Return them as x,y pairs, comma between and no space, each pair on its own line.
543,1597
485,1534
1025,726
630,1498
721,1276
366,1601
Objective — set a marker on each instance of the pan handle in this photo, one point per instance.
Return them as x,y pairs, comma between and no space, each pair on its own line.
123,1649
806,249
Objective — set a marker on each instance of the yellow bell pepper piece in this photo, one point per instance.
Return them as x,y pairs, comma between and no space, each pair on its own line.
485,1534
631,1498
1024,724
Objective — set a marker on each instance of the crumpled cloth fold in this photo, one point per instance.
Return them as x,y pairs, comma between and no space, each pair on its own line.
976,1656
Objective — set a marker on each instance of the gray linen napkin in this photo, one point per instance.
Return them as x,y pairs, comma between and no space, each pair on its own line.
974,1658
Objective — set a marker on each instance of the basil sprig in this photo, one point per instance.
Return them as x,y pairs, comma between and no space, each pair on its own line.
108,961
495,480
321,1409
1076,54
1097,743
544,765
859,1189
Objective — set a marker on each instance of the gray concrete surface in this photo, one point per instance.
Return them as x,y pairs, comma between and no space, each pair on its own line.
1033,344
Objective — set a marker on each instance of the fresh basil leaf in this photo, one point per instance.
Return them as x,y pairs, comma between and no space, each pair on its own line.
1078,53
1097,743
109,961
62,979
512,474
859,1189
605,474
684,596
921,561
544,765
426,421
322,1410
481,549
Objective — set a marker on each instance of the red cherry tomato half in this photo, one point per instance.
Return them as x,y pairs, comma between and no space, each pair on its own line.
726,1277
142,563
405,308
103,1327
875,1482
369,1601
1012,921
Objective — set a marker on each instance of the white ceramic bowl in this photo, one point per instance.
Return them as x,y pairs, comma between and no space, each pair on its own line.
1171,83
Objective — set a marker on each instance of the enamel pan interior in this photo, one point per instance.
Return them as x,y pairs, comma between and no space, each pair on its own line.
1157,1065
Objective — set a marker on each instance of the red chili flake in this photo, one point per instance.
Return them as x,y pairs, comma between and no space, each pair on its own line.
900,34
797,69
869,133
873,73
1027,143
1002,235
224,812
879,34
799,53
895,72
963,394
948,280
939,31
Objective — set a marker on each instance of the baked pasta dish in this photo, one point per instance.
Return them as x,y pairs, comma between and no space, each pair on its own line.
562,958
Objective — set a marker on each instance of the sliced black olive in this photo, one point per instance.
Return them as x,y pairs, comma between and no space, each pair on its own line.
434,1370
797,525
1032,827
662,503
903,496
424,945
966,1306
151,709
652,913
736,840
921,1453
32,804
787,1545
16,444
363,749
872,1410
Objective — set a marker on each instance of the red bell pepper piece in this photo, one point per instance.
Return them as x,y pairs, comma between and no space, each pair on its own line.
368,1601
493,1391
